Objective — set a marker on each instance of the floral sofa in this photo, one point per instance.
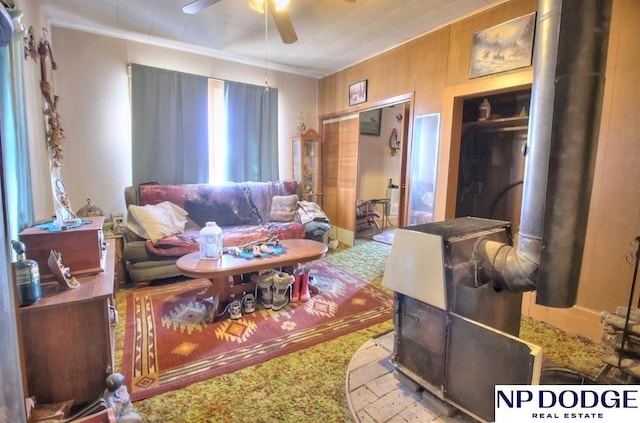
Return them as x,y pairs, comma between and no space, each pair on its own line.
164,220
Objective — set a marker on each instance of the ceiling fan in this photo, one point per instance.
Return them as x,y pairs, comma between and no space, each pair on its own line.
275,8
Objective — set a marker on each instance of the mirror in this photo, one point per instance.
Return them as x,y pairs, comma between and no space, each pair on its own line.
423,168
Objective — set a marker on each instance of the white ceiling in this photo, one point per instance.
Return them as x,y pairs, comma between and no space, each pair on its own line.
332,34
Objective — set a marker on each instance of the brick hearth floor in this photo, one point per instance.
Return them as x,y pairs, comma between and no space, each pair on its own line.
376,395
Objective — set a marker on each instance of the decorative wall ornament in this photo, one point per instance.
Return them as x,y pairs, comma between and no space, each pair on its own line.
65,217
55,133
64,212
300,123
394,142
30,50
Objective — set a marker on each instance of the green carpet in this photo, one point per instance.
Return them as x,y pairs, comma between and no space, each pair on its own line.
309,385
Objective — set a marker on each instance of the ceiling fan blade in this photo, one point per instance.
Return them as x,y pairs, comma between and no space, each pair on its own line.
197,5
283,23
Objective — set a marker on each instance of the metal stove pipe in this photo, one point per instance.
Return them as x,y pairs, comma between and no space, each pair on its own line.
568,85
574,141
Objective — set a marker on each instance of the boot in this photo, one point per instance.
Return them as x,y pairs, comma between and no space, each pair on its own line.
235,310
248,303
264,283
305,295
281,284
295,289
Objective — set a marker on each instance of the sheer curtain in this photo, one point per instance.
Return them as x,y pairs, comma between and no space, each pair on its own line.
169,126
15,144
252,132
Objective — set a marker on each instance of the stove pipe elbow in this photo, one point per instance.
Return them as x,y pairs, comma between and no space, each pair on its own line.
507,267
566,101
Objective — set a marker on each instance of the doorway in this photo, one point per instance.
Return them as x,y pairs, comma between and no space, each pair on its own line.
492,156
341,164
380,166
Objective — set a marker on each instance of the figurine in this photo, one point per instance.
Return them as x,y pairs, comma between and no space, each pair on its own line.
60,272
117,397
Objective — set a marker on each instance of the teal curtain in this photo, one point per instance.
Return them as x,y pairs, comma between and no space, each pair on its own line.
169,126
15,143
12,211
252,132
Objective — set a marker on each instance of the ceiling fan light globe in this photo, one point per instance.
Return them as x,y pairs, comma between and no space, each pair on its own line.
280,4
257,5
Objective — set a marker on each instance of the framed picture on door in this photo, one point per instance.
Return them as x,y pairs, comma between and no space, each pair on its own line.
370,122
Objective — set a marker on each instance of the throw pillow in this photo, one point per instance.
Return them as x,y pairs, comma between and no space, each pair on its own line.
157,221
283,208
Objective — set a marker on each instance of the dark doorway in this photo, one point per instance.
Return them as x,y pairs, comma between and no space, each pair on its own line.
491,165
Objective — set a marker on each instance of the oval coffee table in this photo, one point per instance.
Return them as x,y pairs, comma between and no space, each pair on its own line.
225,272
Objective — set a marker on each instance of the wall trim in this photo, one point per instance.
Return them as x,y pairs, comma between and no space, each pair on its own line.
577,319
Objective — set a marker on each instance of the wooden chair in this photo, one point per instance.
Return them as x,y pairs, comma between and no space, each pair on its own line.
366,214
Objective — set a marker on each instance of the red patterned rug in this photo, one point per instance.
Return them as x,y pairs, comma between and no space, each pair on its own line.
168,345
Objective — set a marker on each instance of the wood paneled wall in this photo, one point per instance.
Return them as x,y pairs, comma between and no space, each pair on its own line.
424,66
435,68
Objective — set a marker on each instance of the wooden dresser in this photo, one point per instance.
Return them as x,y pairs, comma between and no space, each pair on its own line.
68,339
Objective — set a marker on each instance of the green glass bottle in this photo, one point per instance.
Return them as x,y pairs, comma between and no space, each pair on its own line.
27,276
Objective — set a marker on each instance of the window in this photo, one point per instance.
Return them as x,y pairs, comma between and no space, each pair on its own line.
193,129
217,132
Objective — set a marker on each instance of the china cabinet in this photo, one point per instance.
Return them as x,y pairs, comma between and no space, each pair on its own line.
307,155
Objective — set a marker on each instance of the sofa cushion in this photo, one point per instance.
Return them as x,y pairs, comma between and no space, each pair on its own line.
150,270
262,194
156,221
283,208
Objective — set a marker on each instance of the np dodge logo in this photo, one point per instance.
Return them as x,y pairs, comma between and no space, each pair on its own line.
567,403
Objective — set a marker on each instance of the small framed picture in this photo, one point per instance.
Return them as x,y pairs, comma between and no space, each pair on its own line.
370,122
358,93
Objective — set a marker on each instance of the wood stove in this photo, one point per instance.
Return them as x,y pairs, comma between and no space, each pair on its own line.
456,336
458,282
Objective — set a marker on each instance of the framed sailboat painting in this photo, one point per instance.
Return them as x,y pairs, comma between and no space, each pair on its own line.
503,47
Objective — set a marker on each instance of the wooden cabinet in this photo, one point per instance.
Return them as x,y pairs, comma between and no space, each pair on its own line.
68,339
82,248
307,161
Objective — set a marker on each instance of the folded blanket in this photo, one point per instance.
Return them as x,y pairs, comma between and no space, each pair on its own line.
176,245
316,228
308,211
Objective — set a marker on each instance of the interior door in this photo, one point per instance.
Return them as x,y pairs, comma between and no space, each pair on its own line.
339,175
406,125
